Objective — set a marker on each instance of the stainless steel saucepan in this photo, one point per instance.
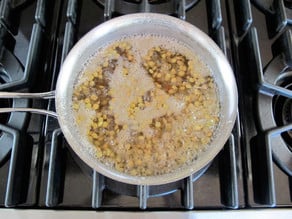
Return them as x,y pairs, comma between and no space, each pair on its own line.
115,29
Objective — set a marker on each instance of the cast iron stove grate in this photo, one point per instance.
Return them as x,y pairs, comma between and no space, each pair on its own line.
56,179
262,46
104,192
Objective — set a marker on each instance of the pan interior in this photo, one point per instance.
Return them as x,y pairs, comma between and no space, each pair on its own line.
138,24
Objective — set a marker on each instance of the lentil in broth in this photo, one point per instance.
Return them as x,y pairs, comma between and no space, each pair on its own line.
147,104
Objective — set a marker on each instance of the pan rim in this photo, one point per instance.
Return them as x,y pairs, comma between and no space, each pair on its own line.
122,22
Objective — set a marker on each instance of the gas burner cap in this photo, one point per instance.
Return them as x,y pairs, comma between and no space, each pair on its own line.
275,113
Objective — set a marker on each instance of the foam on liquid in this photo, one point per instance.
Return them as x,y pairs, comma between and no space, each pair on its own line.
125,90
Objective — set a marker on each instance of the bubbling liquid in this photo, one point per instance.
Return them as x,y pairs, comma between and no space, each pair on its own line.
147,104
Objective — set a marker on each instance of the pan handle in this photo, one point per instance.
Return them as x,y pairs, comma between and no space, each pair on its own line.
44,95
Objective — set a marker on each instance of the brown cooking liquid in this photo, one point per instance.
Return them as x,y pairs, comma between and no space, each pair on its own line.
147,104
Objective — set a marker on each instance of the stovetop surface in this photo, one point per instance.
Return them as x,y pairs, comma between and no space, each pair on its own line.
37,167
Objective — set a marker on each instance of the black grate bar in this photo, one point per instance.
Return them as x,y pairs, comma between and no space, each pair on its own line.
6,38
38,41
19,169
143,7
55,183
219,38
262,172
283,45
251,64
97,189
249,67
259,156
277,20
68,40
181,11
283,153
279,65
11,67
216,30
43,14
214,14
32,64
188,193
18,3
56,173
228,175
16,121
265,6
108,9
227,161
143,194
9,16
282,51
243,16
70,28
35,51
172,7
72,11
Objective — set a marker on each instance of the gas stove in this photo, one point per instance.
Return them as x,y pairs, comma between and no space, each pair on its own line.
38,170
